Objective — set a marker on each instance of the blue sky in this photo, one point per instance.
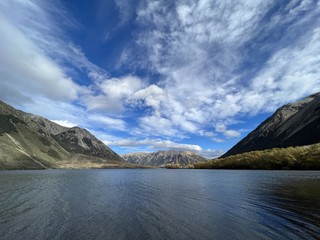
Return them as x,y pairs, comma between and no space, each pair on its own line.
148,75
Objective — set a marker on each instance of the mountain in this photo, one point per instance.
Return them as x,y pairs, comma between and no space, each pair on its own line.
29,141
161,158
294,124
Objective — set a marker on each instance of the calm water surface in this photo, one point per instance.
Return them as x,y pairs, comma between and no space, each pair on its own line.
159,204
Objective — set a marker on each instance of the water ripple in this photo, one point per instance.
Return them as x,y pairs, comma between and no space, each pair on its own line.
159,204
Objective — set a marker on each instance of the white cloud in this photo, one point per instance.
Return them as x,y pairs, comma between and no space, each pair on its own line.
175,146
153,96
104,136
156,144
108,122
220,127
118,88
102,103
24,67
232,134
65,123
126,9
58,110
116,93
184,12
228,133
218,140
157,125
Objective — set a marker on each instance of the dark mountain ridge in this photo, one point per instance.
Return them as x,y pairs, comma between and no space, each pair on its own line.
294,124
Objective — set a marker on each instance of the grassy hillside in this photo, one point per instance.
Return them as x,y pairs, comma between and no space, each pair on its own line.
28,141
305,157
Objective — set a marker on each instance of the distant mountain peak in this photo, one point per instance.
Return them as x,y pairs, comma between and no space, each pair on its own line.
161,158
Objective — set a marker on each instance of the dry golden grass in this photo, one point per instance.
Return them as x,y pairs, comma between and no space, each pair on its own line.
305,157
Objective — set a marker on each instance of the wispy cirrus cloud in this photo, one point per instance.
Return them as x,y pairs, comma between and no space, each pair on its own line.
222,60
38,56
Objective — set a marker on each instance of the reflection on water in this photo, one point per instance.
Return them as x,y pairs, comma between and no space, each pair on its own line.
159,204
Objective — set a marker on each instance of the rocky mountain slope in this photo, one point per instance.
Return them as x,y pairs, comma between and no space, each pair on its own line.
161,158
294,124
28,141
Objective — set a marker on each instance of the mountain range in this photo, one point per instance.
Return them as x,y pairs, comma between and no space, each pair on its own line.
162,158
29,141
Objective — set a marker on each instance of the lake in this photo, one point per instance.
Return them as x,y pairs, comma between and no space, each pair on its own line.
159,204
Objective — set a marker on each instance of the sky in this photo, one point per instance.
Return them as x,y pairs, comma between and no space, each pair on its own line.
194,75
